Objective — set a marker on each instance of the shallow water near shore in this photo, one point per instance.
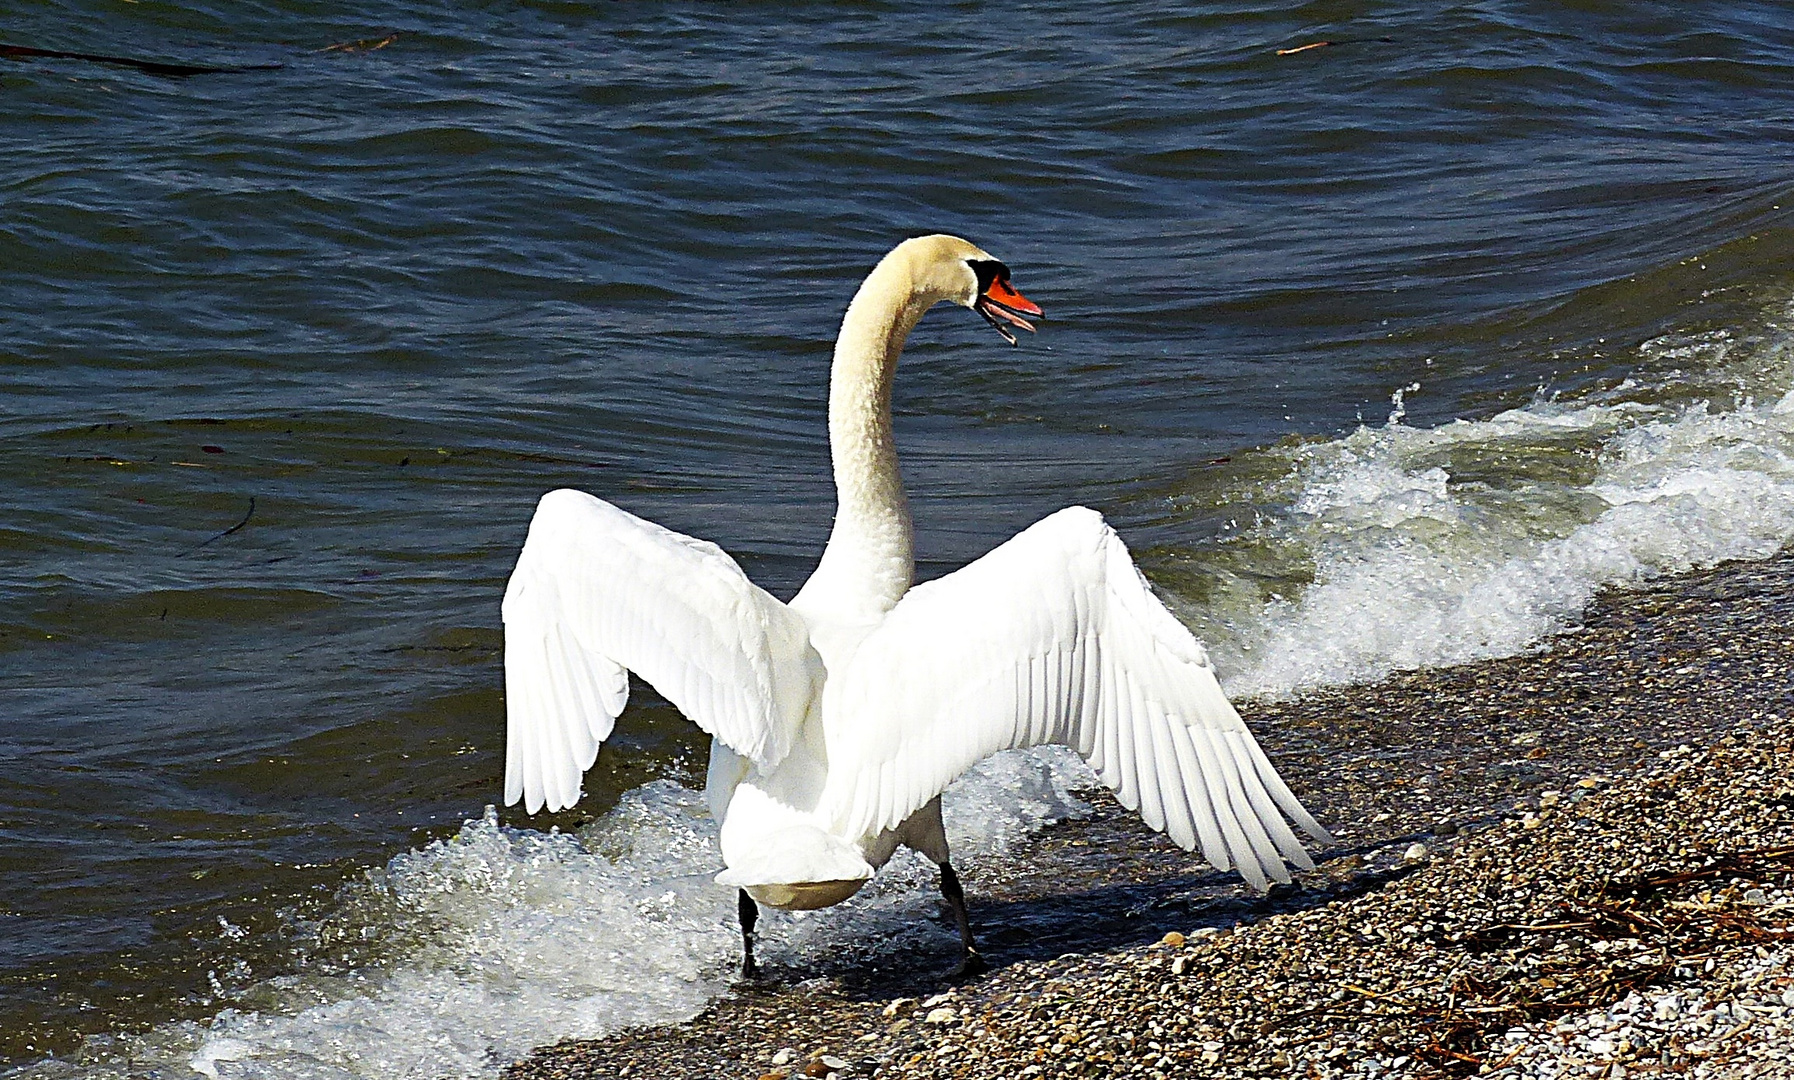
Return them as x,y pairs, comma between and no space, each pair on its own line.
1389,353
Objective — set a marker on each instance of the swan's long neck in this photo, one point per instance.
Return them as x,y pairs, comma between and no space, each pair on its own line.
870,558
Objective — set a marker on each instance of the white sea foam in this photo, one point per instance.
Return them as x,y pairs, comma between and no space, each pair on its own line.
521,938
1480,538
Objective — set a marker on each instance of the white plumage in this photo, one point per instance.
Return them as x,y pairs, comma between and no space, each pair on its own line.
599,592
1054,637
839,718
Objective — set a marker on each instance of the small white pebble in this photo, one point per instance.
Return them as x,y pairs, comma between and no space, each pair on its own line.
1415,853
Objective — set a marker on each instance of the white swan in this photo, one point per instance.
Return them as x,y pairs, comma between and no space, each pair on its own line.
837,719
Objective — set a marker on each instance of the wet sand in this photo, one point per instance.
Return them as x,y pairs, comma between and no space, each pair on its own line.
1535,784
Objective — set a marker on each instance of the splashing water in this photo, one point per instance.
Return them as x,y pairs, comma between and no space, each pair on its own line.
519,938
1480,538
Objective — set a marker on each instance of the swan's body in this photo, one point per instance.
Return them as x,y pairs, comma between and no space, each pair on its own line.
837,719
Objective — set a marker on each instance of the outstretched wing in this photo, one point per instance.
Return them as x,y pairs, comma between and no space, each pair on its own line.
1055,637
599,592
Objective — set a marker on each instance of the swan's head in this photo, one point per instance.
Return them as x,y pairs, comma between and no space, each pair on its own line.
948,268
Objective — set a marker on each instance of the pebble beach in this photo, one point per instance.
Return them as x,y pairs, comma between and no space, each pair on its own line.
1578,862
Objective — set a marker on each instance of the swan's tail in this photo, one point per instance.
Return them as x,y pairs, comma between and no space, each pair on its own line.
793,855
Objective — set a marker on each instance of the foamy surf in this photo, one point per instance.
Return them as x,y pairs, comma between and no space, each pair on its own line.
1480,538
516,938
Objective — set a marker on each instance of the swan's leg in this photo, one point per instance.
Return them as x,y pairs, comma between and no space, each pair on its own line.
749,913
970,961
924,831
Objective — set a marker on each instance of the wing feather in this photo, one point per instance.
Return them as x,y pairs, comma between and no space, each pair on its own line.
1208,831
1264,804
1055,637
1171,792
599,592
1087,718
1127,764
1146,785
1109,732
1214,774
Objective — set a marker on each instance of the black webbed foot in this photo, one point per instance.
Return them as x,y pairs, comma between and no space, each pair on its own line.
971,964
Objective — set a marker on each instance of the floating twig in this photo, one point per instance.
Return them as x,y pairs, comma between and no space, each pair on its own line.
1332,41
153,67
363,45
235,527
551,460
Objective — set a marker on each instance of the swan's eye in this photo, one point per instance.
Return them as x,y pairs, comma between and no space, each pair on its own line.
988,270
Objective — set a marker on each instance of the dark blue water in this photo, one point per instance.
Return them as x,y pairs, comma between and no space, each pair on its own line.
1384,353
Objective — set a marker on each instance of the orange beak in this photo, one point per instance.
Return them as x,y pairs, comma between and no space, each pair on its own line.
999,304
1000,292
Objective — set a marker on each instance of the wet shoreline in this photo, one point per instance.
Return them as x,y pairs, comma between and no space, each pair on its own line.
1446,759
